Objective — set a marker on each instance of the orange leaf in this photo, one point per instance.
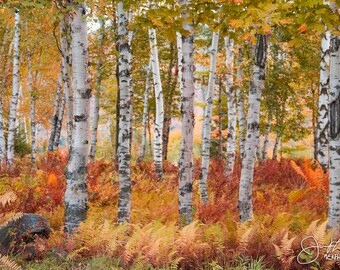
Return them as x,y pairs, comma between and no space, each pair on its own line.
52,180
303,28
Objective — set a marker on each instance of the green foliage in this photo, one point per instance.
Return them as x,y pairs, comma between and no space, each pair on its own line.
21,146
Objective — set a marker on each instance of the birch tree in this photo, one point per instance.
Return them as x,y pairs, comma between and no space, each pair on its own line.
32,106
125,90
76,195
334,131
231,140
54,120
322,121
266,138
15,89
188,118
95,120
242,124
207,120
179,60
66,63
245,205
59,123
159,117
145,113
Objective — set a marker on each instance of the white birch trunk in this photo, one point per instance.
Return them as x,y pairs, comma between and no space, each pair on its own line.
206,127
245,205
59,123
188,120
276,147
124,137
158,126
322,121
334,134
66,63
95,120
145,114
32,107
15,90
230,89
179,61
266,139
54,120
76,195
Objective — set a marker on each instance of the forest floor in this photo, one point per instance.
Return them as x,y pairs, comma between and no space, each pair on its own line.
290,202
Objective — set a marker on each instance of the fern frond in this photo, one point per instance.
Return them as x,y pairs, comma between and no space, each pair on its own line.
7,264
7,198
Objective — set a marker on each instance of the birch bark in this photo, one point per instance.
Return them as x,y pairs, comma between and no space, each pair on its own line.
125,90
15,90
245,205
158,126
95,120
145,114
59,123
76,195
230,89
207,121
66,63
32,107
266,138
334,133
322,122
54,120
188,119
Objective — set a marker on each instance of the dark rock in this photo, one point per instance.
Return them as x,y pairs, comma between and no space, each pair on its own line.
17,233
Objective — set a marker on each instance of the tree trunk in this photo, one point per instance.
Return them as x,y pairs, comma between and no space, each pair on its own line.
158,126
245,205
32,107
188,120
207,121
15,90
59,123
266,138
145,115
322,126
54,121
95,120
66,63
76,195
125,90
220,137
230,90
242,124
334,133
276,147
179,60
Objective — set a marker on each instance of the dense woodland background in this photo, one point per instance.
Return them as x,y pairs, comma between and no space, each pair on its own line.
170,134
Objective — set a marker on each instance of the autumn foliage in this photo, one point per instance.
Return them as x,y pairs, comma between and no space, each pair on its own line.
288,196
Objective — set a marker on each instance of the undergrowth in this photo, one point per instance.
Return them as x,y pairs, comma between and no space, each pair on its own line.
290,202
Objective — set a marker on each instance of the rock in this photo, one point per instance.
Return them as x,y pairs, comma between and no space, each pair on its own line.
17,233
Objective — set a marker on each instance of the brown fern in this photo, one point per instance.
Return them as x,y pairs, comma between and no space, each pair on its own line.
7,264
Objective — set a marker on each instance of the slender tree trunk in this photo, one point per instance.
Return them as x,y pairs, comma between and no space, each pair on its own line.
231,140
242,124
145,115
266,138
334,133
2,128
207,121
158,126
32,108
15,90
220,127
188,120
125,89
76,195
95,120
54,121
276,147
171,87
66,63
179,60
322,126
59,123
245,205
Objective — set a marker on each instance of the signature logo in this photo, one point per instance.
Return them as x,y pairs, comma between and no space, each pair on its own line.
311,250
